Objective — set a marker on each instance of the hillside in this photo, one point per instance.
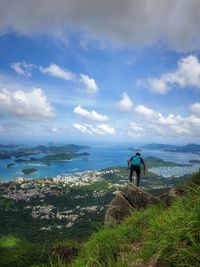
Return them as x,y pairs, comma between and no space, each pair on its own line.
156,236
45,221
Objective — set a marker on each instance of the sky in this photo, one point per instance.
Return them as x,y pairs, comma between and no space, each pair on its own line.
100,70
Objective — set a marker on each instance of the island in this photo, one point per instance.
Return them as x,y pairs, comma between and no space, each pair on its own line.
59,157
41,149
10,165
2,146
134,149
189,148
195,161
158,162
29,170
156,146
21,160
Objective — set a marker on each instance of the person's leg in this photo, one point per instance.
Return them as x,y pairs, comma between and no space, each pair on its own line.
131,174
138,179
138,176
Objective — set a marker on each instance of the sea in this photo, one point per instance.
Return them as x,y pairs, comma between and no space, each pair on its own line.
100,157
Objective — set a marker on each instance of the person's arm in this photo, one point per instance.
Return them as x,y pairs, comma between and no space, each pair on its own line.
128,162
144,166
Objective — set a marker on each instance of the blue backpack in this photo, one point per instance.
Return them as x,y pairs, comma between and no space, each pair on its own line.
136,160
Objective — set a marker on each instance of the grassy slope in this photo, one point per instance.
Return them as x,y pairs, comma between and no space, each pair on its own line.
171,235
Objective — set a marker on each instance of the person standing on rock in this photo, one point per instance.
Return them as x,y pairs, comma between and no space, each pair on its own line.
134,165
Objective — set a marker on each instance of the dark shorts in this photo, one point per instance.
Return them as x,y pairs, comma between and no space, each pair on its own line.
136,168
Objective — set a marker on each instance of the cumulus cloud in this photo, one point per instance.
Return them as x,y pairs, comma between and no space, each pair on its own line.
187,74
56,71
195,108
90,83
30,105
135,130
142,110
132,21
92,115
106,129
101,129
22,68
171,125
158,85
125,104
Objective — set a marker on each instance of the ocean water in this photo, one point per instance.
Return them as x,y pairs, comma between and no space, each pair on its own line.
101,156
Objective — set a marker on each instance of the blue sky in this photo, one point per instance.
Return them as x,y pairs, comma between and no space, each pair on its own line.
100,71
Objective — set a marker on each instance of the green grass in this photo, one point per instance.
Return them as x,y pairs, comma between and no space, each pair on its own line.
9,241
15,251
172,234
104,247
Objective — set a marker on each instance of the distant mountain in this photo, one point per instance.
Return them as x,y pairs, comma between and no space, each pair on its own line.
189,148
53,149
60,149
2,146
159,146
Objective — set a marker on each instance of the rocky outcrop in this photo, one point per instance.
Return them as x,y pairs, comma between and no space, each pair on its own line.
126,202
169,197
118,209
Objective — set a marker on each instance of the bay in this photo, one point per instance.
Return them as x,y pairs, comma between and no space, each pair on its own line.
101,156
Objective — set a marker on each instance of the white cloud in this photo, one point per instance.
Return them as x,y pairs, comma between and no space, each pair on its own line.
22,68
56,130
101,129
92,115
195,108
133,22
90,83
56,71
158,85
135,129
125,104
106,129
187,74
142,110
155,123
82,128
30,105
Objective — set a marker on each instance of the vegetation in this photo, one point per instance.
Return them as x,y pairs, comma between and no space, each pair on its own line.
169,236
27,241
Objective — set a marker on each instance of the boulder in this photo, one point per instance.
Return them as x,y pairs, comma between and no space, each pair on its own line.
138,198
169,197
125,203
118,209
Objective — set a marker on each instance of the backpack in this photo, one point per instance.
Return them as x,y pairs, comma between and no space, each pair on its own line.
136,160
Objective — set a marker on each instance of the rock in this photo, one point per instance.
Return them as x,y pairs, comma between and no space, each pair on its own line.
125,203
138,198
170,196
118,209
